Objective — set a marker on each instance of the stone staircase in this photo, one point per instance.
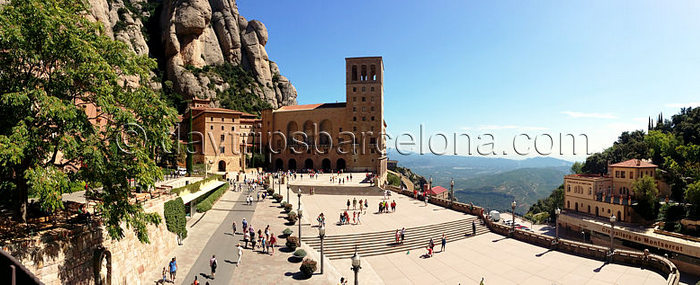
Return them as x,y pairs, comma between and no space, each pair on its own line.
378,243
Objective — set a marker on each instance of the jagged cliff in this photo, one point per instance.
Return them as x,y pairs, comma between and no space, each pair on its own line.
186,36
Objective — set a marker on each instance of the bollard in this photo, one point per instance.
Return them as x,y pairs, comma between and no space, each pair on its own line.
13,279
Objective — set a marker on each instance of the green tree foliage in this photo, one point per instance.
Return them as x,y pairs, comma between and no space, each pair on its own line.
646,193
241,94
692,195
175,217
393,179
53,63
549,204
577,168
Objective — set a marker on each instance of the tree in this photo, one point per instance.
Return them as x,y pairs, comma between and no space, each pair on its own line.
577,168
54,65
692,195
646,192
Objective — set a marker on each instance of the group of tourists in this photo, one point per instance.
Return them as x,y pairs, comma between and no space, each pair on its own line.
386,207
355,204
265,240
431,245
340,179
400,235
345,218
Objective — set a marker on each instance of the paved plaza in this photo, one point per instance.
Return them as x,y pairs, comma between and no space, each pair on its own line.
497,259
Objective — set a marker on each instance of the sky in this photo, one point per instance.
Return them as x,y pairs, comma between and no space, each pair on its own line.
504,68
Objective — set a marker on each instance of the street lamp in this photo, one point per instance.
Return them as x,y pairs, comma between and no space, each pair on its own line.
279,181
299,212
513,205
321,235
557,211
287,192
356,264
613,219
452,191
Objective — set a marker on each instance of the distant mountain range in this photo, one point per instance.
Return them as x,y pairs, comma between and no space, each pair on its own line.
490,182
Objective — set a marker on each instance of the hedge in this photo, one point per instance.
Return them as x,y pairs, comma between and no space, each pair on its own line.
208,202
175,220
194,187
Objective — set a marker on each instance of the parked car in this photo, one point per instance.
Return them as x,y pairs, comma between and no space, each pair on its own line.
495,215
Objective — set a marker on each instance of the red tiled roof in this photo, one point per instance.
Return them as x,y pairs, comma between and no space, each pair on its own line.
219,110
634,163
437,190
299,107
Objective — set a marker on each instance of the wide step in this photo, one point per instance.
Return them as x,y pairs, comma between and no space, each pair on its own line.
378,243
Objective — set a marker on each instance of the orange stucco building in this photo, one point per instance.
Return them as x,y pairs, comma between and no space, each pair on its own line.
333,136
221,137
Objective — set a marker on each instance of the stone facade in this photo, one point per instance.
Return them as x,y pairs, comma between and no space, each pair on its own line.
221,137
86,254
333,136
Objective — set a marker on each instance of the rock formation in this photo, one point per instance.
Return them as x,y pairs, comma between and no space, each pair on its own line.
200,32
195,34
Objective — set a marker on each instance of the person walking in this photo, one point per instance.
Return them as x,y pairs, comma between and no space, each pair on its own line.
443,242
173,269
246,238
403,234
473,228
164,277
354,203
431,244
354,217
245,225
213,265
358,217
348,203
273,241
366,206
397,236
240,254
234,228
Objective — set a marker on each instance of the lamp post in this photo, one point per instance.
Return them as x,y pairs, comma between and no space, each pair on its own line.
613,219
452,191
321,235
287,192
299,212
512,225
279,182
356,264
557,211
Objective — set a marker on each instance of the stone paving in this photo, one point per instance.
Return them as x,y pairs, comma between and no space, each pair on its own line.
497,259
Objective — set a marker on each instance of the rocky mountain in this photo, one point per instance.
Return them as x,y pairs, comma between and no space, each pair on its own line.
186,36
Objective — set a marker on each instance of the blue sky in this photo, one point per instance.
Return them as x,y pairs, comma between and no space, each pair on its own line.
475,67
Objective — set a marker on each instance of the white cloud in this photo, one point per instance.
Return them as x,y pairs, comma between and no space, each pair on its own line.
589,115
683,105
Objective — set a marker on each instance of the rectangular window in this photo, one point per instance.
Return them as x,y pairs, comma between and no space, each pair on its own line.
364,109
223,137
631,175
372,118
617,174
364,99
622,174
364,119
222,149
371,99
354,109
354,99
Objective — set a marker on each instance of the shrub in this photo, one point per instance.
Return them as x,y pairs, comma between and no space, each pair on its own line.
208,202
300,253
175,220
287,207
270,191
287,232
292,217
279,198
292,242
308,267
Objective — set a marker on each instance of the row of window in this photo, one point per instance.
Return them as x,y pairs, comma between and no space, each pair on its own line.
354,109
354,89
354,119
364,99
621,174
233,128
222,119
598,211
363,73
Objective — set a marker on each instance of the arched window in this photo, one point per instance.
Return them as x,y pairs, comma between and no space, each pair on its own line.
372,72
354,73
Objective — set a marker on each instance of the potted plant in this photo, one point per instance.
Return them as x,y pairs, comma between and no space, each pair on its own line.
270,191
308,267
279,198
286,232
292,242
299,254
292,217
287,207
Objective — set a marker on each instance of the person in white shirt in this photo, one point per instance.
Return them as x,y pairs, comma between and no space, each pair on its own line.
240,253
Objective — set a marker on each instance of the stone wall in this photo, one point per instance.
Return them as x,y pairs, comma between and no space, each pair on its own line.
83,254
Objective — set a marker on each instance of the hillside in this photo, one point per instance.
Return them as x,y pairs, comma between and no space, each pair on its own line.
497,191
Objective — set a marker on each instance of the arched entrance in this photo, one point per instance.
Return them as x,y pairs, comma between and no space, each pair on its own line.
222,166
596,211
340,164
576,206
279,164
326,164
102,266
292,164
309,164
